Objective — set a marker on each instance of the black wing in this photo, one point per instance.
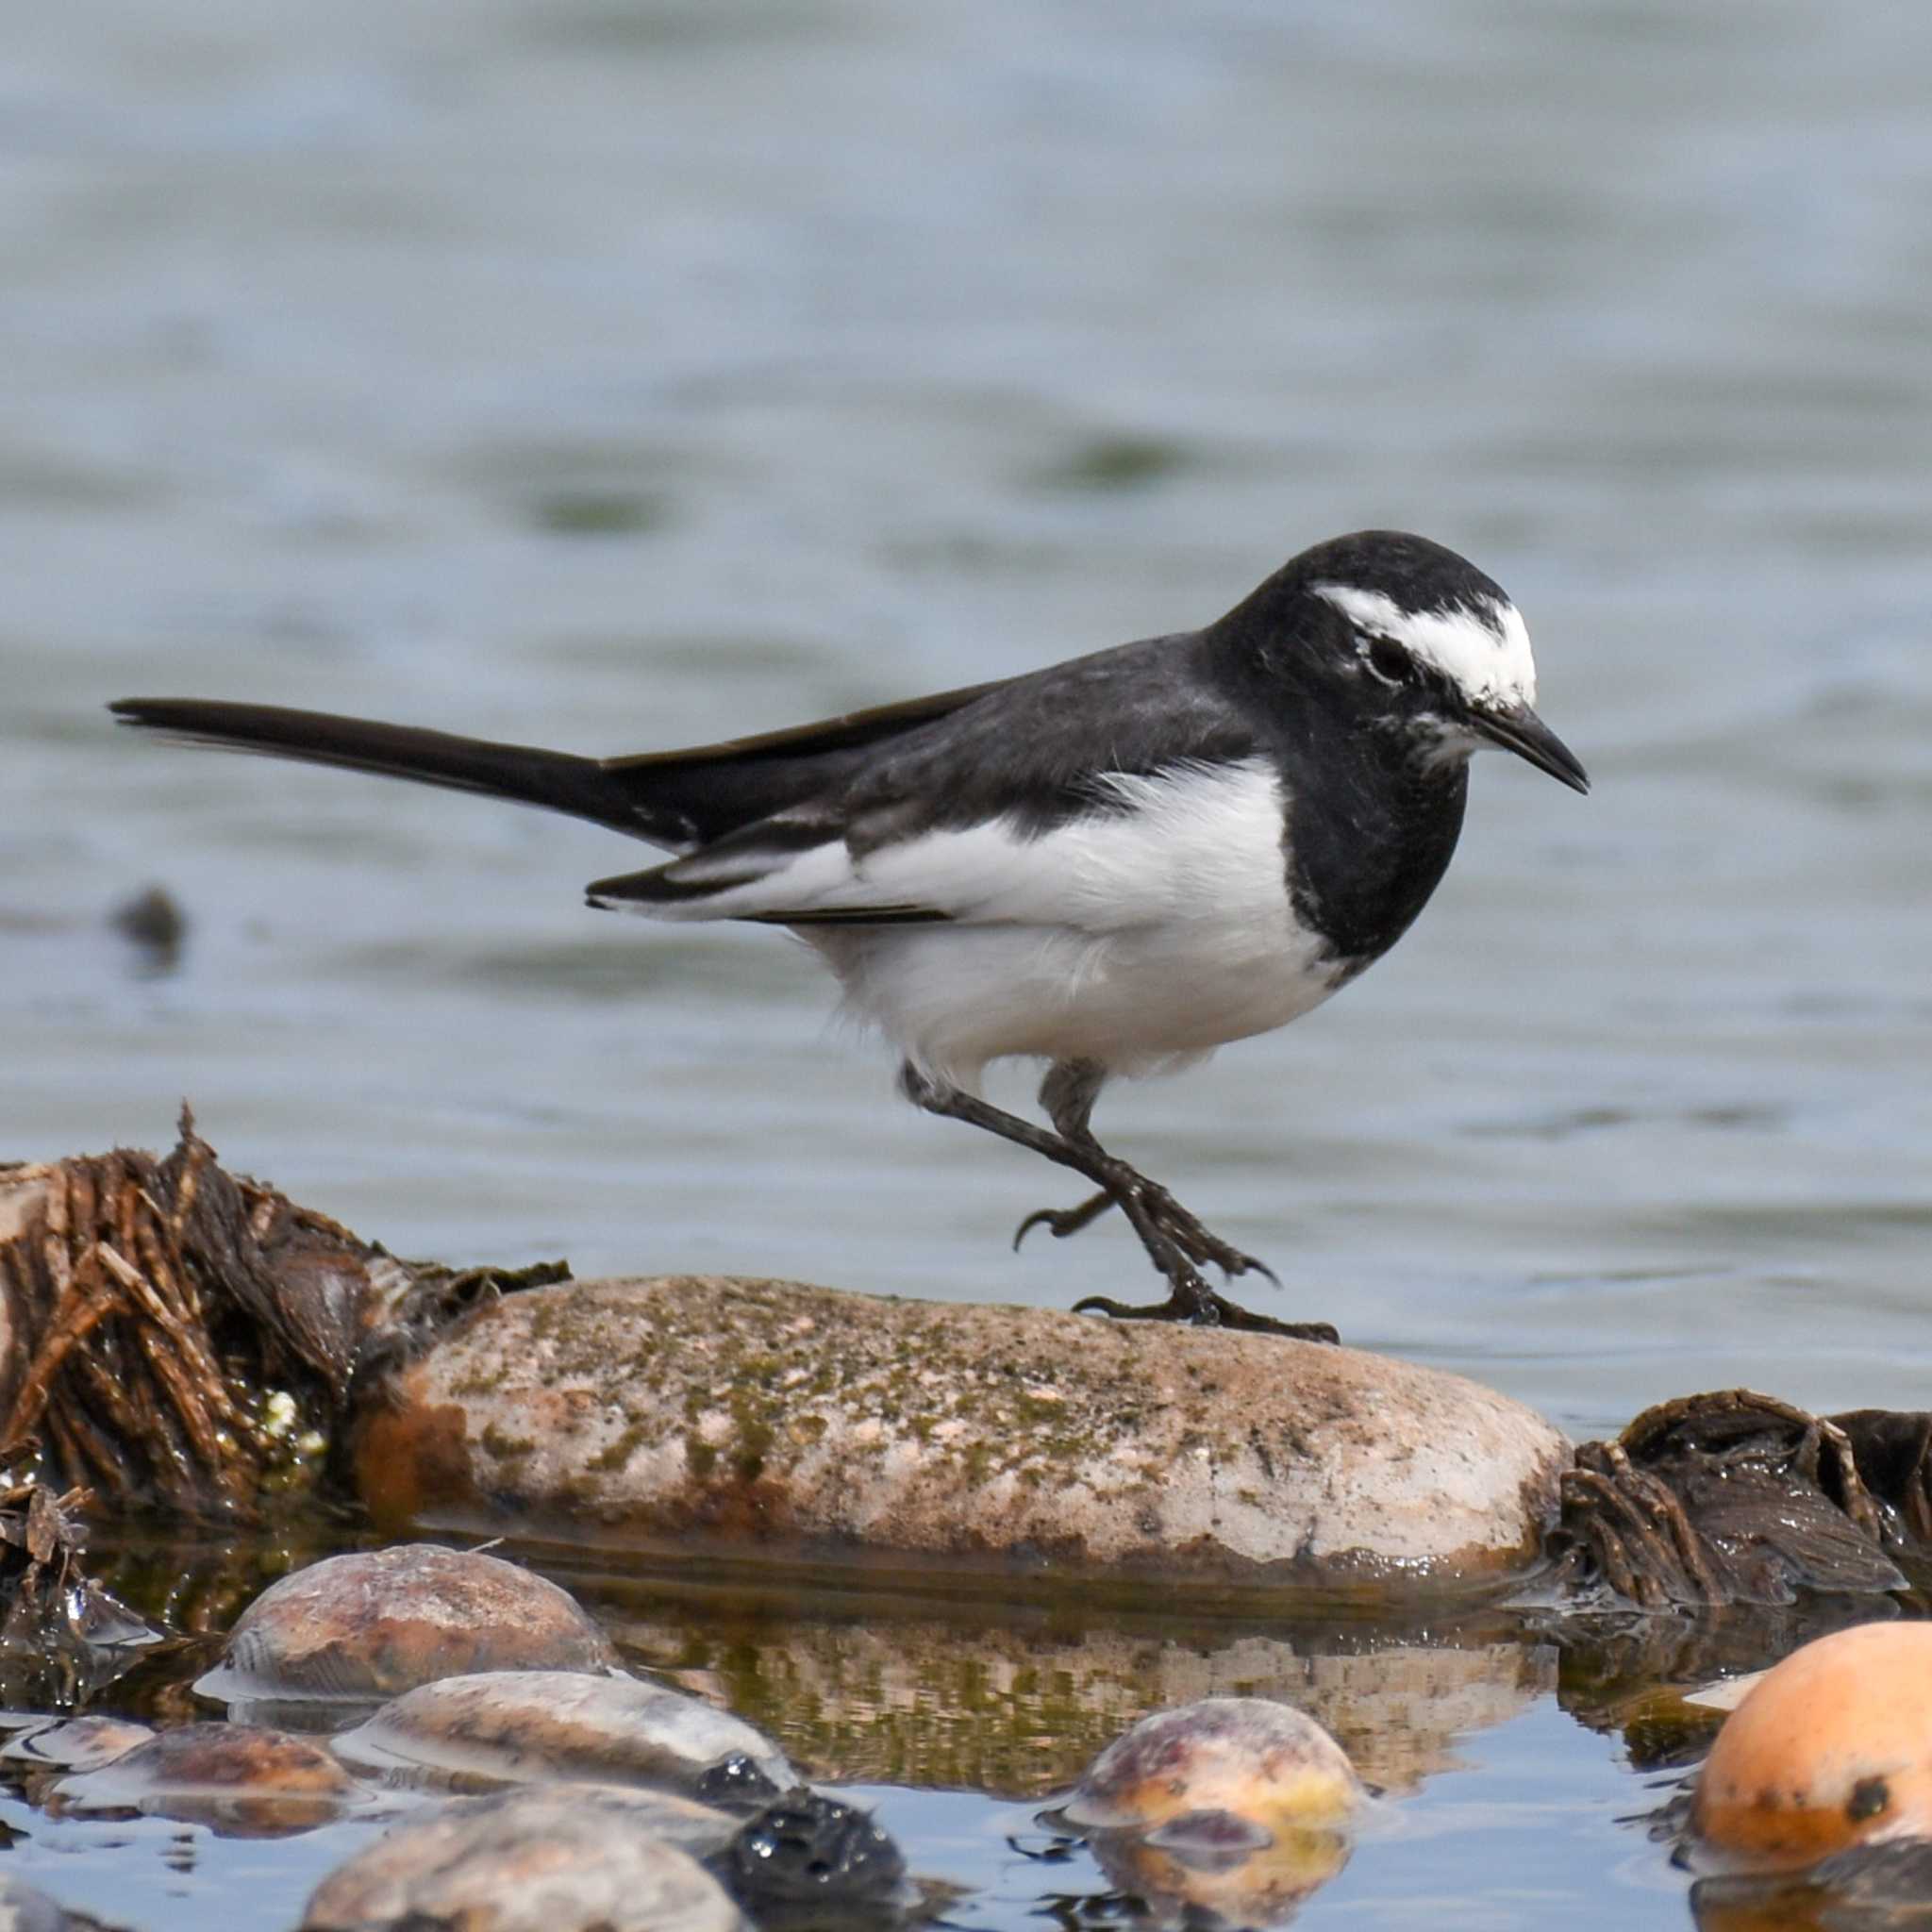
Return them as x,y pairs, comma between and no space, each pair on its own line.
1031,754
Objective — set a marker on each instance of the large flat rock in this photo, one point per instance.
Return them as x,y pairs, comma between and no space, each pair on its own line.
711,1410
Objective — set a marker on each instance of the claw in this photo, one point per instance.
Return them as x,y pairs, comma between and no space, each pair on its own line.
1251,1265
1049,1215
1197,1242
1062,1221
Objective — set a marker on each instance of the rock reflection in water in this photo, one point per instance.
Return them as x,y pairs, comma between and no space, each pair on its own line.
1018,1707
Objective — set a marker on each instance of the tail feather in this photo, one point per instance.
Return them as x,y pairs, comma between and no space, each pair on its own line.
559,781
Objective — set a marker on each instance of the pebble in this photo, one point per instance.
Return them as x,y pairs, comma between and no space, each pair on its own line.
365,1627
1831,1748
76,1743
1248,1756
523,1724
1235,1806
240,1780
565,1857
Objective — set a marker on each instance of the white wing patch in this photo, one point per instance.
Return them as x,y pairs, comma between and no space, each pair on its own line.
1484,652
1165,847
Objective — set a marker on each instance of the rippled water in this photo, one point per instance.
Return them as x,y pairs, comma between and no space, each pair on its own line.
614,375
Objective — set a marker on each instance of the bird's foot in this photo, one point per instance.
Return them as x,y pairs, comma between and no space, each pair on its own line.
1197,1244
1191,1300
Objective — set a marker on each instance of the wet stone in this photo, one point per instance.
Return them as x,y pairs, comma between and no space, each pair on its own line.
806,1855
76,1743
355,1629
516,1725
565,1857
1826,1751
706,1410
239,1780
1235,1807
65,1744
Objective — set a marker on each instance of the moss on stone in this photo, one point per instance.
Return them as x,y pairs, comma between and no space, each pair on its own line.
500,1443
618,1450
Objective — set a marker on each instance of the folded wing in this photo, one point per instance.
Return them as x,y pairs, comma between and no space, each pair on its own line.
1096,794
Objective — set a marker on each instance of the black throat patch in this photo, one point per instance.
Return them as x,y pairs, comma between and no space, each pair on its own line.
1368,836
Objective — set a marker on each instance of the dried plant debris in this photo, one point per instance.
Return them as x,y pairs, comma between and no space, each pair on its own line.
1734,1497
179,1336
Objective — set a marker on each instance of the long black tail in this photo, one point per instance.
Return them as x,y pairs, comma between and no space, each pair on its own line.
676,798
584,788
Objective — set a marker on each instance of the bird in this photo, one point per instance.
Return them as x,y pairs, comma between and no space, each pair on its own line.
1113,865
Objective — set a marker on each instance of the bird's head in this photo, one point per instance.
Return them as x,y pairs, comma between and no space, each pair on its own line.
1417,641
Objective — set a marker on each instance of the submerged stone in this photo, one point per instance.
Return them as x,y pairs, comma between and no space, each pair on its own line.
1248,1756
76,1743
1237,1808
376,1622
827,1423
565,1857
523,1724
240,1780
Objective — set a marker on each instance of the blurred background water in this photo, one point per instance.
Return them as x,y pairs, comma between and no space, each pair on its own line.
614,374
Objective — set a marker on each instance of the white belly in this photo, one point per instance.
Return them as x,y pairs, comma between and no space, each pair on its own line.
1139,941
953,998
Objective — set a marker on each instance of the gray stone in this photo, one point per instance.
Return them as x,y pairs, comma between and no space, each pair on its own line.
547,1858
516,1725
818,1423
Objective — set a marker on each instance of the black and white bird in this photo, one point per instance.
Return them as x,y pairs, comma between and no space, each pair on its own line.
1114,865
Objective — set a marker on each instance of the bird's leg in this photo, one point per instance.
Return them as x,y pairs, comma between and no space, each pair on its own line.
1190,1298
1067,1095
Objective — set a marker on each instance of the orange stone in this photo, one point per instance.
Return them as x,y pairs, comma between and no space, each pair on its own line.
1832,1749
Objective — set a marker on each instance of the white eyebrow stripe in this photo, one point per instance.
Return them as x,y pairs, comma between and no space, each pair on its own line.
1484,651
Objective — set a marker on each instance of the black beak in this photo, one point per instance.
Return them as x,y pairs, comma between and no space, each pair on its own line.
1519,729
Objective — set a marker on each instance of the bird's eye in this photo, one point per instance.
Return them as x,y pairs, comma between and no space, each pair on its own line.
1386,660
